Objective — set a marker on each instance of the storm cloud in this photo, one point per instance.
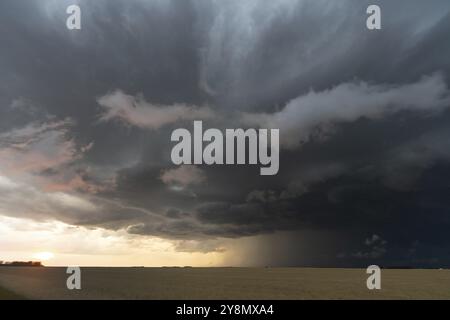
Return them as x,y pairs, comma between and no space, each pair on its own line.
86,118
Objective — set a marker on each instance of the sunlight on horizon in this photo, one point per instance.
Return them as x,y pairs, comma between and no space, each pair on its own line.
44,256
24,240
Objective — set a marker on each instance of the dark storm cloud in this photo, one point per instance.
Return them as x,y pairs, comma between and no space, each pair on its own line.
365,115
263,56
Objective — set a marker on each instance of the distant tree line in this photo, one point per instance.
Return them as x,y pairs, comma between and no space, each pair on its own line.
21,264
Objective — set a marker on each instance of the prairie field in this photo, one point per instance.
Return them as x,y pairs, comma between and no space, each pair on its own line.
8,295
222,283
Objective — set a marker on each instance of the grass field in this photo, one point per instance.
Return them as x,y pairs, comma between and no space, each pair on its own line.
8,295
223,283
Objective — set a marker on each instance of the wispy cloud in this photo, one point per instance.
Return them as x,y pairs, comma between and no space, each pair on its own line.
136,111
184,175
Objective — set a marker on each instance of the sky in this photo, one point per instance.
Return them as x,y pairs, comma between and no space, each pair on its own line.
86,117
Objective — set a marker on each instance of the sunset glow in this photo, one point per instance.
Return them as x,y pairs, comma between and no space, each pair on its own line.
43,256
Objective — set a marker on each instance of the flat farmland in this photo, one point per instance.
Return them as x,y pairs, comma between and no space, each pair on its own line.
222,283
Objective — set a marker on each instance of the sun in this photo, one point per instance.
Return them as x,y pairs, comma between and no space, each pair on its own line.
43,256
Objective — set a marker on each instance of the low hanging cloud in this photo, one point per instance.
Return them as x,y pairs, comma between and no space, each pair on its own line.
405,164
20,199
375,247
184,175
44,153
39,178
316,113
23,200
37,147
138,112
